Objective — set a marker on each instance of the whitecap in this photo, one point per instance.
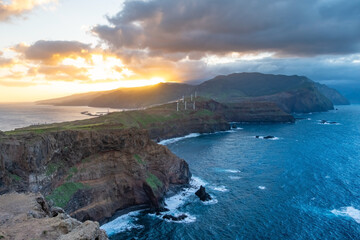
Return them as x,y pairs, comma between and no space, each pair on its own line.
173,140
231,170
234,177
349,212
219,188
122,224
262,187
211,202
327,176
194,135
189,218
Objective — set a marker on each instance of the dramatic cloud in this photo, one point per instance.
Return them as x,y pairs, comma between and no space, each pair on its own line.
70,61
194,40
297,28
53,51
197,39
17,8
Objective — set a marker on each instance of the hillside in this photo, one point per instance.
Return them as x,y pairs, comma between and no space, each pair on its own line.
290,93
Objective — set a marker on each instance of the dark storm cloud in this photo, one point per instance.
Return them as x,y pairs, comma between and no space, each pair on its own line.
297,28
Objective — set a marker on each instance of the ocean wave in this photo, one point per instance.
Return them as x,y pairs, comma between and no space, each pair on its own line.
228,170
262,187
122,223
349,212
194,135
173,140
189,218
219,188
211,202
234,177
127,222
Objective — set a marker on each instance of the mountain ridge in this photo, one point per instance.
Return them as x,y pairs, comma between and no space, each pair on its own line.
291,93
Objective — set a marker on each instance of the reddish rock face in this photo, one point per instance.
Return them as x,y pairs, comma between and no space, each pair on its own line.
91,174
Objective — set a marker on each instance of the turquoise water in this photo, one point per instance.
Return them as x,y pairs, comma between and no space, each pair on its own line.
304,185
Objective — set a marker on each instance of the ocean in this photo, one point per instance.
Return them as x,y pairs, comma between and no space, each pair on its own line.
17,115
303,184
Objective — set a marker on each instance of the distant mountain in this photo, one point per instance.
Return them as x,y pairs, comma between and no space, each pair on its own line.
290,93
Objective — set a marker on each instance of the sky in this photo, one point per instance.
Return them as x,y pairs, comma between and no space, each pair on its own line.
53,48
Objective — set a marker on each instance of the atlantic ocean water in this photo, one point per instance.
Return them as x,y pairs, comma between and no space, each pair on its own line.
304,184
17,115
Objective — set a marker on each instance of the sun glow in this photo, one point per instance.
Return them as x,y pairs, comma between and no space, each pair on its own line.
97,71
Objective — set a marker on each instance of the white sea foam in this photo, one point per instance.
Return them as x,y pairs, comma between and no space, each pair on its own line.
327,176
127,222
175,202
189,218
173,140
194,135
211,202
350,212
122,224
262,187
219,188
231,170
234,177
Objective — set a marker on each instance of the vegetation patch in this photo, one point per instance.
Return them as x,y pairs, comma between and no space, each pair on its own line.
62,194
52,168
138,159
204,112
86,160
153,181
15,177
73,170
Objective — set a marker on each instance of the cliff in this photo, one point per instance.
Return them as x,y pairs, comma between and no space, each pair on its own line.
335,97
29,216
288,92
91,174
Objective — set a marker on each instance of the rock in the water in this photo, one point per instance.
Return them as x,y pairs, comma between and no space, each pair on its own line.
269,137
173,218
202,194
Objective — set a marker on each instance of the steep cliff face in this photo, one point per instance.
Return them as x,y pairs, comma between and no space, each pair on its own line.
332,94
302,100
29,216
91,174
249,112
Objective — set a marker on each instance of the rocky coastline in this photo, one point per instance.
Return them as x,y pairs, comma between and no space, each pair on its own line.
29,216
102,166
